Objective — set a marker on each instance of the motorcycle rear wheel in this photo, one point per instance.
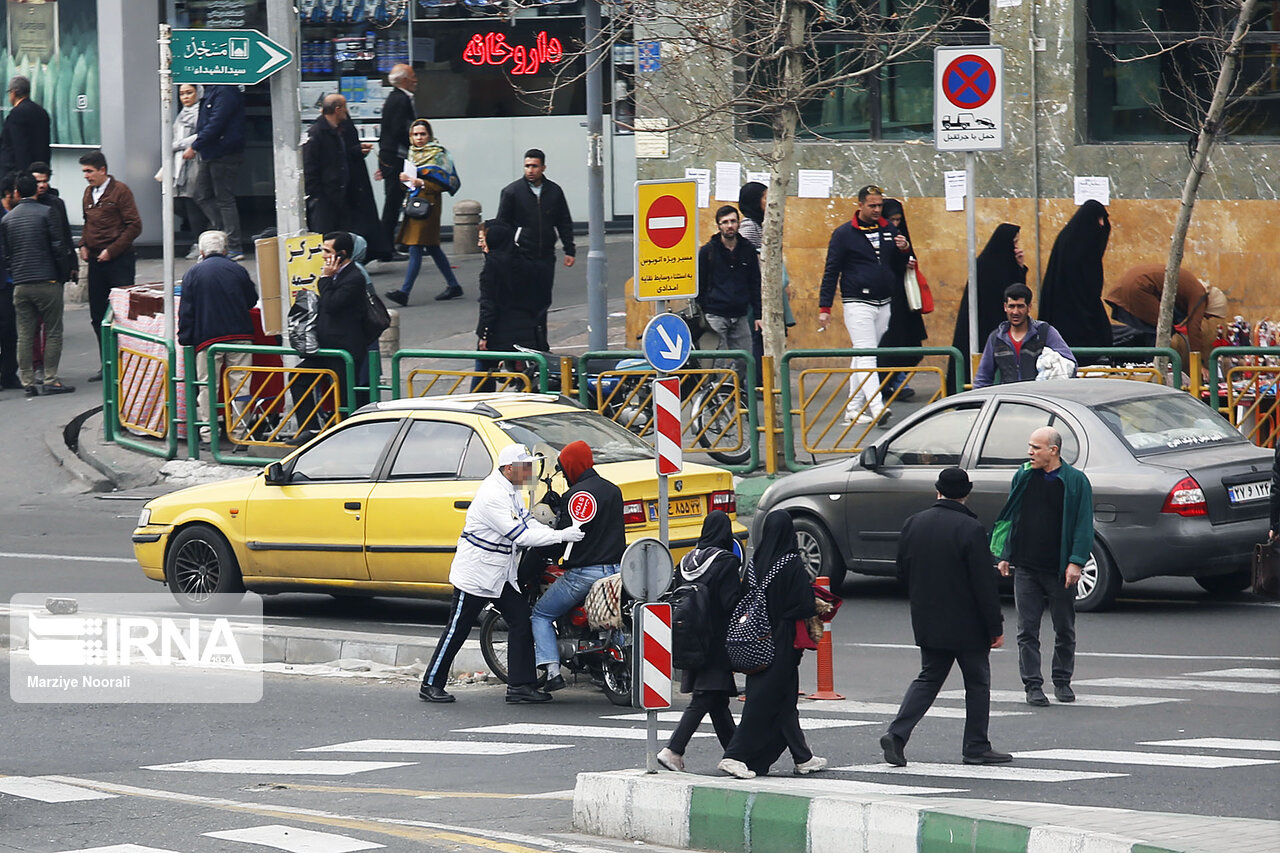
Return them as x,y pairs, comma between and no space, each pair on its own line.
493,646
616,676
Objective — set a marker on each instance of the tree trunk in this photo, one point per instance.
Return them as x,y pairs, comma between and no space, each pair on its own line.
1199,163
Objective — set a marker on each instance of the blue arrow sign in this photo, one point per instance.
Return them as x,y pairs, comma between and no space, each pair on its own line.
667,342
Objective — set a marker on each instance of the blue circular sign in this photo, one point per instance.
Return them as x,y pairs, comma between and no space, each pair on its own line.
667,342
969,81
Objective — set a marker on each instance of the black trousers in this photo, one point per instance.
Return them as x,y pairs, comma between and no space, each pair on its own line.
1033,592
393,202
462,618
935,665
704,702
103,276
8,338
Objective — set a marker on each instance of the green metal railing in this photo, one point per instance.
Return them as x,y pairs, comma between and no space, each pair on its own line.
112,428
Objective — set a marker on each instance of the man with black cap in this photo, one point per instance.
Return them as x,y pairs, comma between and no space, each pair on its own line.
955,613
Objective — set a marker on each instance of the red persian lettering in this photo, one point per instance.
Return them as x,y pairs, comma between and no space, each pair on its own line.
493,49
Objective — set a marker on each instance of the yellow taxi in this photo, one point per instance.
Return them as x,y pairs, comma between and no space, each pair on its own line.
375,505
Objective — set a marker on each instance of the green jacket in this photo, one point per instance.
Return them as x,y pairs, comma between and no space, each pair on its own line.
1077,517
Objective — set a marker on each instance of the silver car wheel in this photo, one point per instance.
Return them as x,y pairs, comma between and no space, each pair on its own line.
810,552
1088,579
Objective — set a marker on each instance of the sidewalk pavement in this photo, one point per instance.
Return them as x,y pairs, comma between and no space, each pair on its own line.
776,815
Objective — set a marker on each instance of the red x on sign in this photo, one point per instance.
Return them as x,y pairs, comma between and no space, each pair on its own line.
969,81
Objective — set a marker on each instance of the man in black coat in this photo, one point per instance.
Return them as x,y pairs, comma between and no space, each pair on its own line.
955,611
25,136
326,168
398,112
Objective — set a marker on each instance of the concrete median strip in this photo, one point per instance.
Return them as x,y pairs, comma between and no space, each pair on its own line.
777,815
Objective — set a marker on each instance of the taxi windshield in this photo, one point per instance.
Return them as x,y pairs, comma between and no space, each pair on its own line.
608,441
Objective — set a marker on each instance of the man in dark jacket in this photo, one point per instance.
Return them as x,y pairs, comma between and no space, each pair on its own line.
1014,347
217,298
48,196
955,613
398,112
537,207
729,286
37,260
111,224
220,144
25,136
595,505
325,168
868,260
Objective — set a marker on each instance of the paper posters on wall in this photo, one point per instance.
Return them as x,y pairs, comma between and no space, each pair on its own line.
652,138
1097,188
814,183
955,187
728,180
759,177
703,177
1007,4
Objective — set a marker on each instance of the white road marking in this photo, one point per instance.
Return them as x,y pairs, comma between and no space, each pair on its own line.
552,730
1218,743
295,840
436,747
1269,674
849,706
67,558
1097,700
1153,759
46,790
122,848
1079,654
549,795
265,767
1182,684
808,722
998,772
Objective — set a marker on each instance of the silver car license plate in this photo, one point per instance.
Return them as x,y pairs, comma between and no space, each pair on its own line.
1249,492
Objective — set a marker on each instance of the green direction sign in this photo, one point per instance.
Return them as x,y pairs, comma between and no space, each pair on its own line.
241,57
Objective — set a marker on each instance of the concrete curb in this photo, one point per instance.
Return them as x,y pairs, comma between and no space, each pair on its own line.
93,478
774,815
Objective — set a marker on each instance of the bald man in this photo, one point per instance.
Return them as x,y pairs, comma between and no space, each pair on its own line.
325,170
1045,533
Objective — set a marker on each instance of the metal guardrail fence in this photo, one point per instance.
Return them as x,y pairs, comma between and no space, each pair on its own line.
1249,392
117,409
1134,363
504,376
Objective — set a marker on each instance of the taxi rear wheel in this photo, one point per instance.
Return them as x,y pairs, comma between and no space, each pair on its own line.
200,565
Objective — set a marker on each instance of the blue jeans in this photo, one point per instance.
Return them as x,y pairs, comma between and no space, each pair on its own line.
565,594
415,263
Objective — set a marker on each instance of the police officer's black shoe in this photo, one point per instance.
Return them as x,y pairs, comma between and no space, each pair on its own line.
553,684
431,693
525,693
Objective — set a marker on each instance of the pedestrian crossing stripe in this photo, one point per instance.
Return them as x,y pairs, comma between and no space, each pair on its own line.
295,840
122,848
995,772
47,791
1096,700
1153,759
437,747
807,722
888,709
1183,684
552,730
1243,672
1247,744
278,767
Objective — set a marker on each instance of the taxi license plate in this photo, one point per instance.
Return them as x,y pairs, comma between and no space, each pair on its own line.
678,508
1247,492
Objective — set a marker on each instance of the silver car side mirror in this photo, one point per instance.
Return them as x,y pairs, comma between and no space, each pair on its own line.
870,457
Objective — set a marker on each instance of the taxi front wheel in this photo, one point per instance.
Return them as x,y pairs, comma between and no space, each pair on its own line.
199,565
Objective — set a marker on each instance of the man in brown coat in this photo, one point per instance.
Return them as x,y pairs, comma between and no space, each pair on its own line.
1135,303
111,224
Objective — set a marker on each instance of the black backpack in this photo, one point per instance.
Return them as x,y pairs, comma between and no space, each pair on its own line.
691,621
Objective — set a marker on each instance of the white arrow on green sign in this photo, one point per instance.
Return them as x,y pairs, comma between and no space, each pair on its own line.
241,57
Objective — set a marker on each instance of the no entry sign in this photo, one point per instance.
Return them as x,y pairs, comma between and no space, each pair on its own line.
666,239
968,98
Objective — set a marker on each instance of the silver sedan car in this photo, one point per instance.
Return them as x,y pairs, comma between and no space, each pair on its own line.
1177,490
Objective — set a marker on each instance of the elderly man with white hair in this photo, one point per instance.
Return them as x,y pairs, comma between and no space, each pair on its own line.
398,112
217,298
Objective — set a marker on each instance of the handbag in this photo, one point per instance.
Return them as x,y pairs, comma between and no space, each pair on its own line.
417,207
376,319
1266,569
919,297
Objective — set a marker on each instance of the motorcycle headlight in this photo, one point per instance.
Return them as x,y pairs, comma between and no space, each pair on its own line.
144,517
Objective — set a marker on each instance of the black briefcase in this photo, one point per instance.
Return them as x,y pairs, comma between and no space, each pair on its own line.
1266,569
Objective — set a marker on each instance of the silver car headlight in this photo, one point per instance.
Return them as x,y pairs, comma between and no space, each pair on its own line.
144,517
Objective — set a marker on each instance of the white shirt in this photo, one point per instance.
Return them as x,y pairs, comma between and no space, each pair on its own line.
98,191
498,525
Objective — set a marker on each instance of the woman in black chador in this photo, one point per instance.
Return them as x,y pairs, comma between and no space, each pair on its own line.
770,720
1071,293
906,327
1000,265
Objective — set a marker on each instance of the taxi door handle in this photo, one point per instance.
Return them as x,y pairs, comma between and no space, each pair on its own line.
351,505
461,504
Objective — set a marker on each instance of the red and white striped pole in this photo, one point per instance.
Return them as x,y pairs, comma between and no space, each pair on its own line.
654,655
826,662
666,418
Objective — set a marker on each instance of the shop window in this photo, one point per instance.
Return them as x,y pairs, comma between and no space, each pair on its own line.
1152,71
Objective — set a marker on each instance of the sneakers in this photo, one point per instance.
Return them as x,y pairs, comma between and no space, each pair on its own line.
399,297
236,256
892,747
671,760
1035,696
1064,693
525,694
991,756
815,764
449,293
734,767
860,420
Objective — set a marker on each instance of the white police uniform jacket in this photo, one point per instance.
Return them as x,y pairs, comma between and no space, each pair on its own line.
498,524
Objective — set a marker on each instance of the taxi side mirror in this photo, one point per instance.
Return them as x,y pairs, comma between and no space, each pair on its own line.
870,457
275,475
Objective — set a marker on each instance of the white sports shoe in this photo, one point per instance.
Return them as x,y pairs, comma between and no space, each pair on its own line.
813,765
736,768
671,760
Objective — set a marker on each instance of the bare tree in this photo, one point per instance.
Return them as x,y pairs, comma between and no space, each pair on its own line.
743,74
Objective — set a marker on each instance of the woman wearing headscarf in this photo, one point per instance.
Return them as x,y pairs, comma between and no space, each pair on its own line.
714,564
185,171
511,302
1000,264
906,327
770,720
1071,293
751,201
435,175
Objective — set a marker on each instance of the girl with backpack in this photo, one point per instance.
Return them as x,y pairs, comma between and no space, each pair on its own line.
770,719
713,564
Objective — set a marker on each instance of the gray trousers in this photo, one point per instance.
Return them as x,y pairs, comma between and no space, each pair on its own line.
1033,592
215,193
32,303
735,333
